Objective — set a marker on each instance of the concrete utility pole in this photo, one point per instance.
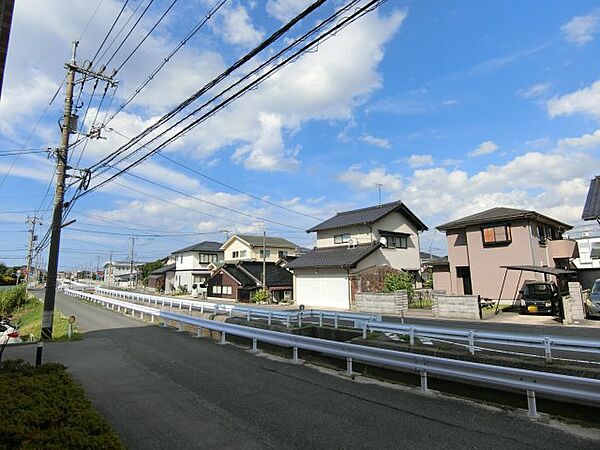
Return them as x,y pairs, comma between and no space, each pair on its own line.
68,126
32,221
131,262
264,268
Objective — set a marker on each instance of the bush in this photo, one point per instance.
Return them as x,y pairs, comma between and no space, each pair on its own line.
261,296
181,290
13,298
47,409
397,281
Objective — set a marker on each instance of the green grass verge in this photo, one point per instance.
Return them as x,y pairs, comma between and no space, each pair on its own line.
45,408
29,319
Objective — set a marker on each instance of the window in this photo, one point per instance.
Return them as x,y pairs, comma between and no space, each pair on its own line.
395,240
499,234
341,238
181,259
235,254
226,290
282,253
208,258
268,253
242,253
216,289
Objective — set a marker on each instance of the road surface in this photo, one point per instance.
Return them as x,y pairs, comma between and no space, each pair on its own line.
163,389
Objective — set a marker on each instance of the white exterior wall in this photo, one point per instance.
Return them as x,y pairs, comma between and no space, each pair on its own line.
584,244
186,264
361,235
253,253
322,288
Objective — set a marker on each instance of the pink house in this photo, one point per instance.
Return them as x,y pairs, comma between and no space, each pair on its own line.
480,244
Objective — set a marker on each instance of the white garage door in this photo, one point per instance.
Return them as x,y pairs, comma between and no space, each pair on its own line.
325,289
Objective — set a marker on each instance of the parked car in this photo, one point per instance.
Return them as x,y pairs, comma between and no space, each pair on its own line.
540,297
592,306
9,334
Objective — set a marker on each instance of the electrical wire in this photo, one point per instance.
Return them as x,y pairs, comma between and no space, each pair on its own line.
109,31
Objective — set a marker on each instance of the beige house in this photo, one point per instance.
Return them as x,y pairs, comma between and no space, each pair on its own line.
354,250
247,247
480,244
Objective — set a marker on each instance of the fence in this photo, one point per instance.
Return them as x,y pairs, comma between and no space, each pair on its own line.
585,390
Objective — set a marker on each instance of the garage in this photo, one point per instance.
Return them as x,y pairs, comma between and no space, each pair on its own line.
322,288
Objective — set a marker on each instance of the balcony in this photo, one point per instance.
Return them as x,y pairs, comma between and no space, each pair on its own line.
563,248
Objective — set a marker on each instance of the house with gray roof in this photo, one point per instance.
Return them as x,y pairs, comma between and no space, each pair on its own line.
479,245
354,251
193,265
249,247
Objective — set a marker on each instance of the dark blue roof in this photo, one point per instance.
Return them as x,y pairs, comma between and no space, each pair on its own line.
339,257
205,246
591,210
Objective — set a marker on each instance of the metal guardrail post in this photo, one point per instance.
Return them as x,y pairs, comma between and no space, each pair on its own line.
349,366
287,320
199,332
179,327
424,388
295,355
320,319
411,336
269,318
547,350
151,318
190,307
230,312
180,303
254,345
223,340
335,320
142,315
531,404
248,316
202,309
364,331
471,342
299,319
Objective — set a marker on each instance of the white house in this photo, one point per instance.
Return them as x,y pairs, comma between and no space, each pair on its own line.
193,264
119,273
247,247
588,262
354,248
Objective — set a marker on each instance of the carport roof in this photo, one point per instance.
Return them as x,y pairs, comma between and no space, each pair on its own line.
540,269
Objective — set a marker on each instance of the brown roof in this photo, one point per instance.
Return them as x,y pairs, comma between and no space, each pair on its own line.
500,214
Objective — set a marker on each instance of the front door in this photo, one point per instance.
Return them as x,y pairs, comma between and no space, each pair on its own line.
464,275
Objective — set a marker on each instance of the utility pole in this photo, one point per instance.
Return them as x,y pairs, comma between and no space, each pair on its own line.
110,270
131,262
379,186
264,267
68,126
32,221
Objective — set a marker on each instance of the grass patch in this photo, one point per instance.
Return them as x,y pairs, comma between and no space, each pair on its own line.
46,408
29,319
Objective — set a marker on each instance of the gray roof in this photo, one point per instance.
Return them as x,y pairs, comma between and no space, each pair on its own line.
205,246
249,274
367,216
257,241
163,269
591,210
499,214
338,257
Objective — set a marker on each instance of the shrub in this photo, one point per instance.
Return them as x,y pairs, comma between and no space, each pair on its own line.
396,281
13,298
47,409
181,290
261,296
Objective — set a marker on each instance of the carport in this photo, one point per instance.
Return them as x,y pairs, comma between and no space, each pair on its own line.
536,269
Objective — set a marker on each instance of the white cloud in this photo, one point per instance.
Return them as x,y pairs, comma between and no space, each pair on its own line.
284,10
237,27
420,160
485,148
584,141
583,101
450,102
376,141
367,181
535,91
581,29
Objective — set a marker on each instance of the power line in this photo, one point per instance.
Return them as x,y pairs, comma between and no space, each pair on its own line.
109,32
330,32
114,233
113,40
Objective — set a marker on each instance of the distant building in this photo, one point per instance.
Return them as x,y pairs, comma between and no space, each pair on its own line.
119,273
248,247
193,265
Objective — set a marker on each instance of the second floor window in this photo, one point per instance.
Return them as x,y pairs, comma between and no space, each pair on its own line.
181,259
282,253
341,238
262,254
208,258
239,254
499,234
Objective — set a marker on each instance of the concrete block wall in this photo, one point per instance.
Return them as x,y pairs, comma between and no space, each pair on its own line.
455,306
392,303
576,304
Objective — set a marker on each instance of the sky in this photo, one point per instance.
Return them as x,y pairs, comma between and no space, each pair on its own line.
452,107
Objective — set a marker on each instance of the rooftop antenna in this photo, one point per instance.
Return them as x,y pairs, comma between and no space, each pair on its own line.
379,186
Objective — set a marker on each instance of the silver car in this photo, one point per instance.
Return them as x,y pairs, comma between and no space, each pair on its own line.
593,304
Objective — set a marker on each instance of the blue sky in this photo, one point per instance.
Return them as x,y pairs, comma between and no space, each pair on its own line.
454,107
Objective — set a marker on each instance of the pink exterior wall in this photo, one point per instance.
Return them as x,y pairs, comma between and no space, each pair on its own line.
465,248
441,279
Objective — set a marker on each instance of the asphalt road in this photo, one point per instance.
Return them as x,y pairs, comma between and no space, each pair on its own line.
162,389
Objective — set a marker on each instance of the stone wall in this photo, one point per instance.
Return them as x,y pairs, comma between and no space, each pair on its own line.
455,306
392,303
573,304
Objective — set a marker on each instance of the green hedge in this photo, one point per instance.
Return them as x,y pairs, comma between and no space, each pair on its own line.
13,298
45,408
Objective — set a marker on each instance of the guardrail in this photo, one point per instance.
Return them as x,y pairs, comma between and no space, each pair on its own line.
585,390
473,338
270,315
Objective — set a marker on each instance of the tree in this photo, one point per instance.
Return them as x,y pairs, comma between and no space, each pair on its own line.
399,281
150,267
